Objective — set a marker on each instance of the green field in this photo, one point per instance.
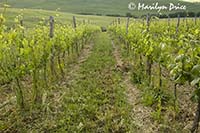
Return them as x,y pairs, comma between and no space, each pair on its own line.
35,11
103,7
34,16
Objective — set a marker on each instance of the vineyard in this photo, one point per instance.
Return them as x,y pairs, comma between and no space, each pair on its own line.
164,58
136,75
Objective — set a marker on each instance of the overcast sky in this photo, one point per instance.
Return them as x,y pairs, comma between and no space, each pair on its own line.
192,0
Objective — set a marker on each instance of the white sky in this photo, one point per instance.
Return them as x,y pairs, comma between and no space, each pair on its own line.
192,0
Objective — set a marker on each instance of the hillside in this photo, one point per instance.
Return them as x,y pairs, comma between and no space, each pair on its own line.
99,7
32,17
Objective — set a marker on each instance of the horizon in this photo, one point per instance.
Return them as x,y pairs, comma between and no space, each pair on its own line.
191,0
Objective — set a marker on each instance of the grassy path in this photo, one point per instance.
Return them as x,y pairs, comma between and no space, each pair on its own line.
95,100
142,114
95,96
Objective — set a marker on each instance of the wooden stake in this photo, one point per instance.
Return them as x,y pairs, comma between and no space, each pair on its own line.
115,21
21,23
74,22
186,23
168,23
148,22
178,24
127,25
119,21
51,34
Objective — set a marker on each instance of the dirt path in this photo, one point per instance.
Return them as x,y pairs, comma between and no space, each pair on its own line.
74,67
141,113
95,100
58,94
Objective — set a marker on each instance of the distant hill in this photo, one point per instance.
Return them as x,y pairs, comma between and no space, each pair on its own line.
96,7
32,17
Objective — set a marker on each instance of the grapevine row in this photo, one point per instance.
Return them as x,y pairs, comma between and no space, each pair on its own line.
38,56
161,50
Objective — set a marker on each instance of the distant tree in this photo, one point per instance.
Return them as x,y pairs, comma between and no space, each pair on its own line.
198,14
191,14
128,14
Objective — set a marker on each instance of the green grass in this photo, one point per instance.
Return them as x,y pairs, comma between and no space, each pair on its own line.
96,101
35,11
34,16
92,6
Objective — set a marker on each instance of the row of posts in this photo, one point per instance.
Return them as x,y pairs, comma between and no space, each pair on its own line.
52,23
118,22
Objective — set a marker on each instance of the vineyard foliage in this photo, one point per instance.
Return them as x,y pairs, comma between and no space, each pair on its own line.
176,52
164,54
36,55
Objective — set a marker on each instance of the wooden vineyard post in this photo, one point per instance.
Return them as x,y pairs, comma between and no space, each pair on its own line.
175,85
127,28
51,35
149,58
19,88
148,22
51,27
75,25
186,23
19,94
119,21
168,23
74,22
178,24
83,40
21,23
175,95
127,25
143,23
195,124
195,19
